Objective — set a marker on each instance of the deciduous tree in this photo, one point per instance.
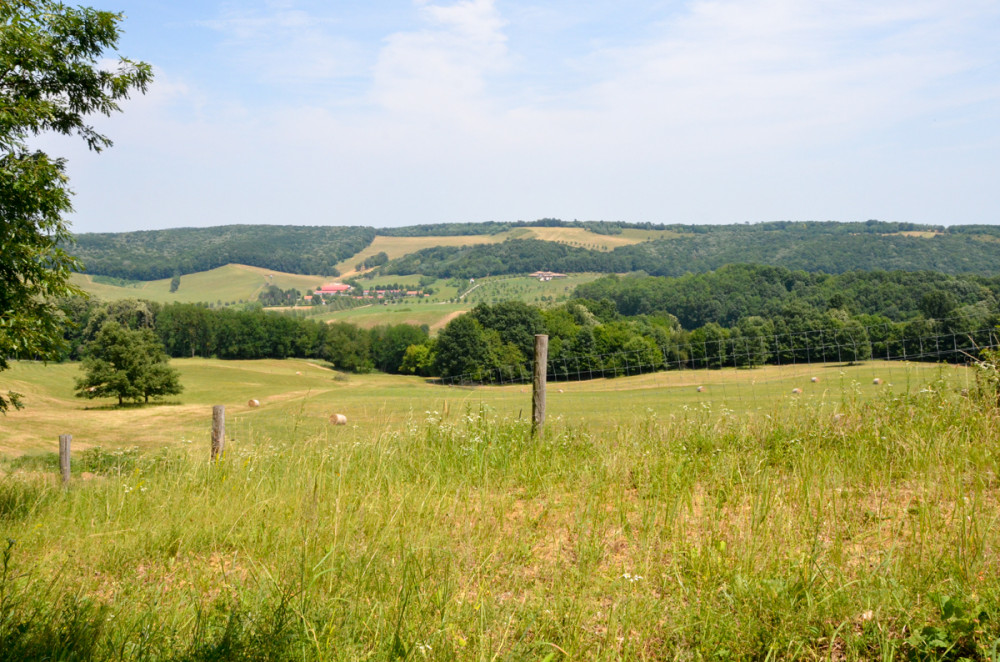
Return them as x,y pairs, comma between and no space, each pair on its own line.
129,364
51,80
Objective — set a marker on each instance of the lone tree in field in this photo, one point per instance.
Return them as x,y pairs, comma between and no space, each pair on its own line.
127,363
50,81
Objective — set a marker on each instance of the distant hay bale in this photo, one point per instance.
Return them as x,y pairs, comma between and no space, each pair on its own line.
298,372
338,419
876,381
700,389
815,379
253,403
796,391
560,390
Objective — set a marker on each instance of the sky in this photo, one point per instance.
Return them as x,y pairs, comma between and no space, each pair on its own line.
389,113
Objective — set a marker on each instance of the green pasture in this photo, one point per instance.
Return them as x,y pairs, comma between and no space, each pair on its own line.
226,285
523,288
298,397
435,315
651,521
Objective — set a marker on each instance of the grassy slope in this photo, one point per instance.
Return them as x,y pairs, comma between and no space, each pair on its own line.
306,400
231,283
399,246
684,531
583,238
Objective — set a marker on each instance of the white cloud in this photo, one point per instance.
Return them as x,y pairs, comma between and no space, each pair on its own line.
442,70
730,110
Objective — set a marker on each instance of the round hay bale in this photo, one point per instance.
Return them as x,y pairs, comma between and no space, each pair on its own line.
876,381
253,403
796,391
338,419
815,379
700,389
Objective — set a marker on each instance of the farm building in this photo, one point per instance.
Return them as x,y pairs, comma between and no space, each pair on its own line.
547,275
331,289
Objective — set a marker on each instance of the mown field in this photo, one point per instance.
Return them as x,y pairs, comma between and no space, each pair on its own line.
226,285
651,521
396,247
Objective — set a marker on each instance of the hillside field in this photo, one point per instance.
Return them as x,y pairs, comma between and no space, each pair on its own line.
229,284
298,396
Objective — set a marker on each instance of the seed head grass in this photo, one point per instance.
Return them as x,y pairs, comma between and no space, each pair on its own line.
795,532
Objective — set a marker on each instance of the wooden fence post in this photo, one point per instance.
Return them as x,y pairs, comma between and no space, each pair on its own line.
218,431
538,384
64,443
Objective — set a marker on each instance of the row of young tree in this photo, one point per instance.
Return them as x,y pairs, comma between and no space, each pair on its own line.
191,330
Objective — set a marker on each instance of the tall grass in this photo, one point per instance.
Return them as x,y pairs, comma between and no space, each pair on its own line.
793,534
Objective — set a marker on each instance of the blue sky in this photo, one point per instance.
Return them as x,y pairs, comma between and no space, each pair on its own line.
419,111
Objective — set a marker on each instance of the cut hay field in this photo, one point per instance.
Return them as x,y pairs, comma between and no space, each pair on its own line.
585,239
649,522
396,247
301,395
229,284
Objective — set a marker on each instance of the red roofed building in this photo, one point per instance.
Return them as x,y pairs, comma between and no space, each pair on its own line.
334,288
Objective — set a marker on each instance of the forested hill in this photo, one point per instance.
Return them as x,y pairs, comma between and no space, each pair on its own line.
155,254
737,291
814,247
668,251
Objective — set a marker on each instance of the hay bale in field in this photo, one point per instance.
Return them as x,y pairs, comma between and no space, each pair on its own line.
876,381
796,391
560,390
253,403
297,372
815,379
700,389
338,419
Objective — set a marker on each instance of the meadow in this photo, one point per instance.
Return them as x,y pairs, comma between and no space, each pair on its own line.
650,521
233,283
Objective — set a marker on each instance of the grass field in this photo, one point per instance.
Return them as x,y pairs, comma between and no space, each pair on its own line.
396,247
650,521
302,394
585,239
229,284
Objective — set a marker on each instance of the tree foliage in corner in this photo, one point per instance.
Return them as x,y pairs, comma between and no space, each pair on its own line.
50,81
129,364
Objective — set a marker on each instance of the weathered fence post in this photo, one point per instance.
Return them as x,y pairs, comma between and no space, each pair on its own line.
218,431
538,384
64,442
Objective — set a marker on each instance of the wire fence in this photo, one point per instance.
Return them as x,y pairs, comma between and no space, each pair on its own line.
880,343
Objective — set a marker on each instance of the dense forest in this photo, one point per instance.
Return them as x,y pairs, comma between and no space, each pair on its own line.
155,254
811,246
736,291
816,247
